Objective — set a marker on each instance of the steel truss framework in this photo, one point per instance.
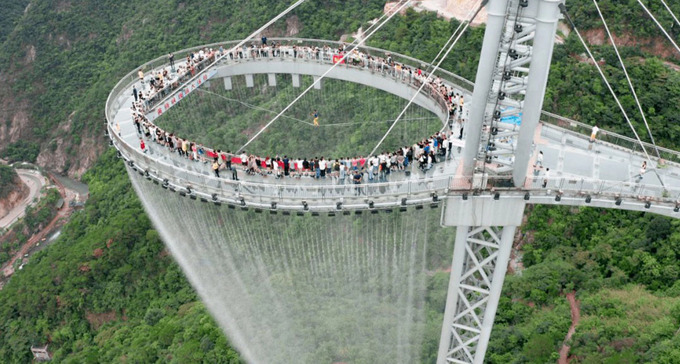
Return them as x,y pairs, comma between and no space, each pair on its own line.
480,261
505,100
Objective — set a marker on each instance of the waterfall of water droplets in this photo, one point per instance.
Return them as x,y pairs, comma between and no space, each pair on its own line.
303,289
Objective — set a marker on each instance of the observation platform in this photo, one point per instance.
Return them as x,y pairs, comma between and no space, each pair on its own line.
599,174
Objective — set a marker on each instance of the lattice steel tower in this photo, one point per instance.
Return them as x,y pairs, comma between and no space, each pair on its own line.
510,85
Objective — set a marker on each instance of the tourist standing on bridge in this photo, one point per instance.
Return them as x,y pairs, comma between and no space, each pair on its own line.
171,58
643,170
286,161
342,173
539,159
140,74
593,133
216,167
244,159
356,179
321,168
546,177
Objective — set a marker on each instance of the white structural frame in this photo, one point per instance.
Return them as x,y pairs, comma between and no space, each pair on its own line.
511,81
480,258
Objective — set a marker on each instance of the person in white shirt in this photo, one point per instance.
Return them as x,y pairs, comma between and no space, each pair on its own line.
322,168
539,159
593,133
244,158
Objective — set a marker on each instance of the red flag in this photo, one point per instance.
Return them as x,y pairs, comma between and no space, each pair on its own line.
338,58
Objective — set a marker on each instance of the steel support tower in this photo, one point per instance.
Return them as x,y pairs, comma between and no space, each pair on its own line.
506,105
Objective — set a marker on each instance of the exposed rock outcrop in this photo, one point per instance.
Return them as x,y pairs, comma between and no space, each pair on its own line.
18,192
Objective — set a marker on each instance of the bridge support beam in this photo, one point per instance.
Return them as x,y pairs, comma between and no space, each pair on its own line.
227,83
296,79
495,25
318,82
480,259
271,78
544,40
249,80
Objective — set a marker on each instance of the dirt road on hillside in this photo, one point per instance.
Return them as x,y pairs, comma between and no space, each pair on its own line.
35,183
574,305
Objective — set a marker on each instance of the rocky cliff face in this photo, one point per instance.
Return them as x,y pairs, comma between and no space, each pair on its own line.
18,192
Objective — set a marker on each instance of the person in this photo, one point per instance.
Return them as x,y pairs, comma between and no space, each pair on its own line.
171,58
264,40
546,177
321,168
593,133
643,169
140,74
277,169
135,93
449,139
342,173
216,167
356,178
228,159
315,114
118,128
460,134
539,159
286,165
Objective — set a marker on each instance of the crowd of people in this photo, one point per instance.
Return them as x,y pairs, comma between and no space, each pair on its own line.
161,82
449,98
377,168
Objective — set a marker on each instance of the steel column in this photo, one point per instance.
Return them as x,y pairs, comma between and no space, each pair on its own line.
495,25
544,40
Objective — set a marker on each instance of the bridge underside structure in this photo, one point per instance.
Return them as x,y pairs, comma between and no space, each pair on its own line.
317,271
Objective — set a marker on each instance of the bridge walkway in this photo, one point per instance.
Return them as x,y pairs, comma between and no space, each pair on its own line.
577,167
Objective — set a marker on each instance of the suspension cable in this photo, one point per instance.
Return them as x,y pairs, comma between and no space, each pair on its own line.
425,81
344,57
659,25
630,83
563,9
241,43
671,12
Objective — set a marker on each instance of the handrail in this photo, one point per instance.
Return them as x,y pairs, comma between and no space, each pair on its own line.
546,117
162,60
421,187
607,136
262,191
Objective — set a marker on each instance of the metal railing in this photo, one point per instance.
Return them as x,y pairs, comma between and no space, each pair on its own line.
114,101
208,185
580,129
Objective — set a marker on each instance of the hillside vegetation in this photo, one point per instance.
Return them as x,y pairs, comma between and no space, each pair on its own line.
107,291
8,177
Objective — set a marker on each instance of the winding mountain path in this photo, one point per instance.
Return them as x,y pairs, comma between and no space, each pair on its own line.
575,317
35,182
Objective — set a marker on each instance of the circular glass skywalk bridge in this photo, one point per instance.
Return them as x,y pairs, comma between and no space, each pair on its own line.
581,173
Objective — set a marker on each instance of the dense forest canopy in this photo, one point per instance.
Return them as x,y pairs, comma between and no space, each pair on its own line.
107,291
8,177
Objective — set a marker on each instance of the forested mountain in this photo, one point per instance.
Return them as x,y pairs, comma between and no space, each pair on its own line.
107,291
